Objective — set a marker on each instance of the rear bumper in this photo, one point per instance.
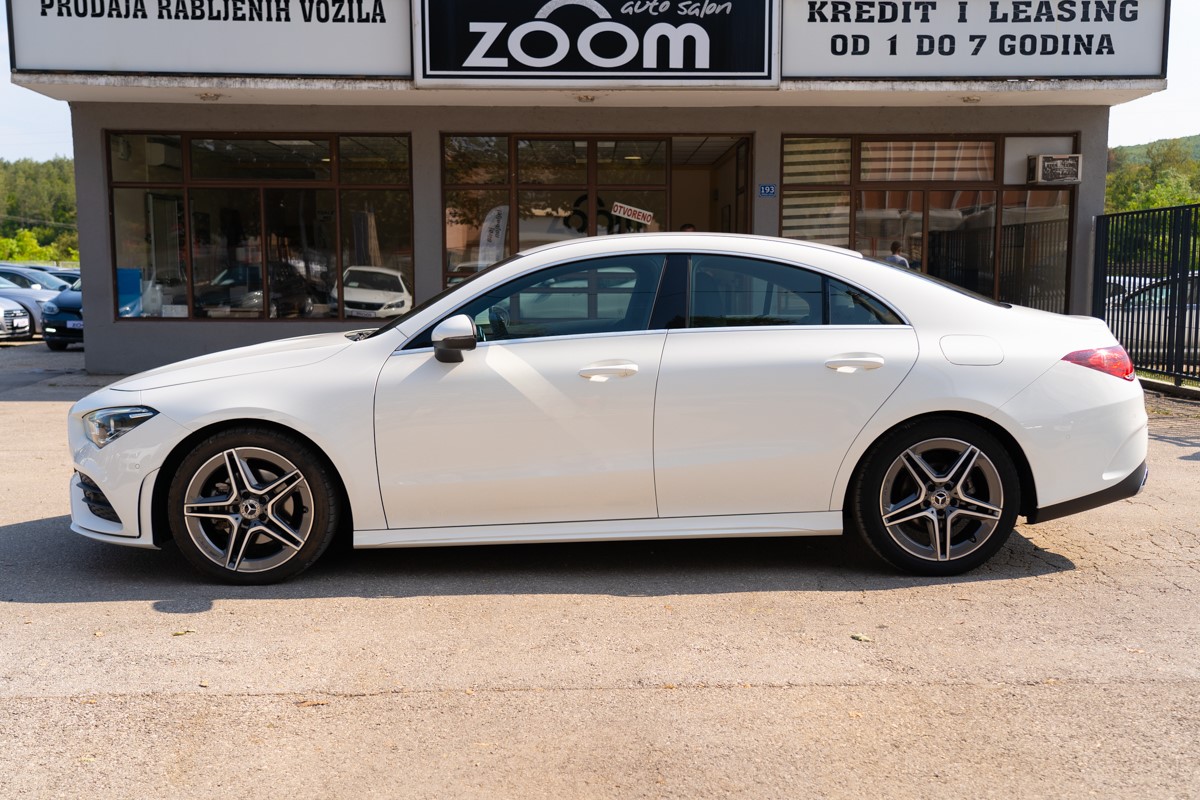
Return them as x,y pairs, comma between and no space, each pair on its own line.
1128,487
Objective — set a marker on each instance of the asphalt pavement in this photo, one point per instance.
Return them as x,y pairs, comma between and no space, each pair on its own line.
1067,667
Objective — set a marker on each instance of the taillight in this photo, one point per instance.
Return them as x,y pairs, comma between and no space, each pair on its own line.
1109,360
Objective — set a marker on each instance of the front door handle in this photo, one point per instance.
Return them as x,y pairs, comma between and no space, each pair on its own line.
853,362
603,370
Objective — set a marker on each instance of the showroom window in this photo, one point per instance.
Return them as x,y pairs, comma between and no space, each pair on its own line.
944,205
560,187
257,227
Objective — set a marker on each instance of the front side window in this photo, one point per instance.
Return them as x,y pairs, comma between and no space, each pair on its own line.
606,295
730,291
601,295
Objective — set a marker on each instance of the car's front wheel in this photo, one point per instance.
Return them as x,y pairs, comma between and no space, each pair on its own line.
936,497
253,506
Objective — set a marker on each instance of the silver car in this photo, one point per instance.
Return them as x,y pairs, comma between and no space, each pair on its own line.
14,320
31,299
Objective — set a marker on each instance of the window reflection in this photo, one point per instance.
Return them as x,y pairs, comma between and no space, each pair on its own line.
962,239
476,231
141,158
373,159
550,161
263,247
1035,238
929,161
377,253
817,216
149,246
226,253
301,254
260,159
889,226
632,161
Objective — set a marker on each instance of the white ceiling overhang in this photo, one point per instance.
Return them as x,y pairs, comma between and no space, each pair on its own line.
96,88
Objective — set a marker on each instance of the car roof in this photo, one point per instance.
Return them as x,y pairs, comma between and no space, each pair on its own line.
669,240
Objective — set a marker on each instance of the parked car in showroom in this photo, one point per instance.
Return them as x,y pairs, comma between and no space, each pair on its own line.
62,318
15,322
374,292
684,386
237,291
31,299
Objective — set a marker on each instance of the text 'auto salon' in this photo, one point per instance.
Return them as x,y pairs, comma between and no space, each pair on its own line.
252,169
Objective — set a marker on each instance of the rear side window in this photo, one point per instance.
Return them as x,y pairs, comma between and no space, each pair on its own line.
731,291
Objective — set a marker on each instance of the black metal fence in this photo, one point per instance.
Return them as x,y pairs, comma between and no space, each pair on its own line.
1147,287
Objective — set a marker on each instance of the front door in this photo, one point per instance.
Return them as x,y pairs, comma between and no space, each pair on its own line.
549,419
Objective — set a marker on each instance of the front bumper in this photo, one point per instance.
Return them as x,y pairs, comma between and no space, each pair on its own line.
113,488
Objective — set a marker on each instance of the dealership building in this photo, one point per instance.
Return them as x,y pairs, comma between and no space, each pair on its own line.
252,169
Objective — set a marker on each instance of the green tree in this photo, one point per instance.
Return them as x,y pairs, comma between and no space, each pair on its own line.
1168,175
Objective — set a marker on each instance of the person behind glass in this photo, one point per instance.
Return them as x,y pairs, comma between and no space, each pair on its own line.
687,226
896,258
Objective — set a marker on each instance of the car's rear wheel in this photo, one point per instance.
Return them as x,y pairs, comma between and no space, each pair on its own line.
253,506
936,497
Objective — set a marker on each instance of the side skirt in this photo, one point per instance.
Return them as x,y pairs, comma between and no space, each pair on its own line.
818,523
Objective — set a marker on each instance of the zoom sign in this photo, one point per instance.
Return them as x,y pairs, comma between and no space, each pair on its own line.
598,42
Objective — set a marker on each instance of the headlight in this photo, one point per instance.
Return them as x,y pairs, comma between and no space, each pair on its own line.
41,303
111,423
49,308
395,304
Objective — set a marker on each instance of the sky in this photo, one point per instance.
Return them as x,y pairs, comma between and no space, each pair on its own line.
34,126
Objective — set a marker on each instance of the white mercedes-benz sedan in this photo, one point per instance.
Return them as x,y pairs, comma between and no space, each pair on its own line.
626,387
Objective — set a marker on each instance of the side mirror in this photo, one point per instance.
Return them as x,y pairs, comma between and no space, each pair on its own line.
452,336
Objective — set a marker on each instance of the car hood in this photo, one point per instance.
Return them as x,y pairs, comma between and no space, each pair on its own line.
372,295
256,359
70,299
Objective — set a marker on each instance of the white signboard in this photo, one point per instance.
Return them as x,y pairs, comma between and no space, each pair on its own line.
213,37
963,39
629,212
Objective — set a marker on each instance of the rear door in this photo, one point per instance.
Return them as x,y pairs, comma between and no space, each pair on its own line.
764,390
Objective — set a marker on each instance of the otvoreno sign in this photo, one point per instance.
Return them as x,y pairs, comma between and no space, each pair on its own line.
213,37
597,42
981,39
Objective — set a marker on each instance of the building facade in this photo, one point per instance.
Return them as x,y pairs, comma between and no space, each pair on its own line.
252,169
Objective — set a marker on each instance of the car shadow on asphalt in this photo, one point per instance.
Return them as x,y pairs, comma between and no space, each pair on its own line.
43,562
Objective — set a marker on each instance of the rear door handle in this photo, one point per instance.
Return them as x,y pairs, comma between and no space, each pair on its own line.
853,362
602,371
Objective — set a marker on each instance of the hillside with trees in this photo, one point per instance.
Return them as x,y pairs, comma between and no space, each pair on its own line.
37,211
1156,175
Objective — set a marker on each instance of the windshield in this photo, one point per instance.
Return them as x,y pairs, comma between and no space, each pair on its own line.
48,281
7,284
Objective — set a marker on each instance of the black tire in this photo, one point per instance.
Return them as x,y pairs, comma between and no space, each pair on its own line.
56,345
272,521
968,485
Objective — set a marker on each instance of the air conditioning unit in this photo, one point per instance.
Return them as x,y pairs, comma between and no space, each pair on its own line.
161,154
1055,170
